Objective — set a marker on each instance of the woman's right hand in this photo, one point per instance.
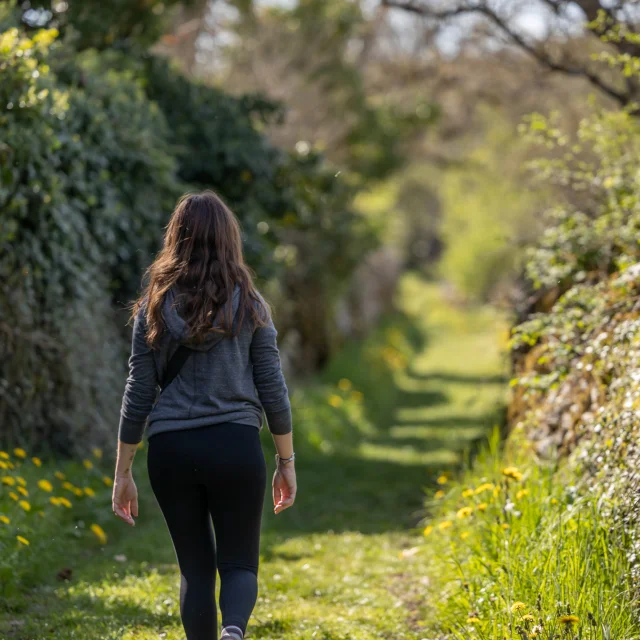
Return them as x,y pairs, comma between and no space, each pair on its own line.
284,487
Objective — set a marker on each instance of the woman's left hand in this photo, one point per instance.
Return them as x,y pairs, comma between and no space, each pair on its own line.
125,498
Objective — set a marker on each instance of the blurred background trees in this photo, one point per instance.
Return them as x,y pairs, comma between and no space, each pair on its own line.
354,139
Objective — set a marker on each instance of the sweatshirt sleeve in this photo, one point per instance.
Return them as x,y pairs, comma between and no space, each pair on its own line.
141,387
269,379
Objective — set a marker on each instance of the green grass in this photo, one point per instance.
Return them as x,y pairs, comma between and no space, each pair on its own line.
342,564
512,557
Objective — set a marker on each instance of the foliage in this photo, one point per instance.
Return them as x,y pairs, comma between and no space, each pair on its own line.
100,24
95,148
75,192
305,55
590,243
216,143
576,378
487,216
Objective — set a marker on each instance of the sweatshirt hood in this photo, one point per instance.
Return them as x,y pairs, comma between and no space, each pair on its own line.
177,327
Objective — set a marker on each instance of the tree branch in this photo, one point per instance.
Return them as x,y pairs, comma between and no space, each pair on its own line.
542,57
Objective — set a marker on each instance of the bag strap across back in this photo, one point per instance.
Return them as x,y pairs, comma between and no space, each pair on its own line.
175,364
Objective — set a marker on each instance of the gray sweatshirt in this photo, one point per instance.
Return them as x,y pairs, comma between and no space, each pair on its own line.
224,380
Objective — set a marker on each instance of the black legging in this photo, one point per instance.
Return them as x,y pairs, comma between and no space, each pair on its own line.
216,472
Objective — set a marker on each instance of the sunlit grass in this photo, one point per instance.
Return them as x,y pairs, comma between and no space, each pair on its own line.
519,549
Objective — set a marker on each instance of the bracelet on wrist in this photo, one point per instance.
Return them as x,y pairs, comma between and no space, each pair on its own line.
284,461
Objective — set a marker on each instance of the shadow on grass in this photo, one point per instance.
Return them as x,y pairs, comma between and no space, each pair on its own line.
78,613
451,422
346,492
445,376
411,399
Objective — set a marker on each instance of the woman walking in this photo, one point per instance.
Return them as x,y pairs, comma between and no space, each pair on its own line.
203,337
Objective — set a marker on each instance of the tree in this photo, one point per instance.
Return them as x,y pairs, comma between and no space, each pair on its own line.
611,28
312,58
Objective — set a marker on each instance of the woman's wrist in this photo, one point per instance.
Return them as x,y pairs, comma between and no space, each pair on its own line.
284,444
124,459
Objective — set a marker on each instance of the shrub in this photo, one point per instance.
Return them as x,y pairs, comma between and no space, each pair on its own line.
86,181
576,379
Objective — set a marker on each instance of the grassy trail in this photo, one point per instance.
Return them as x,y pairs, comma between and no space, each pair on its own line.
339,564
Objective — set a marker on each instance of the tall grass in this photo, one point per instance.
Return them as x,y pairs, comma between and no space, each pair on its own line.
519,548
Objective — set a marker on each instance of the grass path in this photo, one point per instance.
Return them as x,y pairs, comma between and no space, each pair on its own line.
338,565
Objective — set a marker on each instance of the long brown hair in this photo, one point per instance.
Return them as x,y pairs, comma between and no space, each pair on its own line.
202,257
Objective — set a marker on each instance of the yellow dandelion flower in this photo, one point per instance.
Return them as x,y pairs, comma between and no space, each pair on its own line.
467,493
533,634
496,491
21,480
45,485
14,496
505,526
554,501
97,452
512,473
487,486
89,492
8,480
344,384
79,492
335,401
516,607
464,535
567,620
36,461
464,512
68,485
3,465
25,505
438,495
527,618
445,525
107,481
442,480
87,464
427,530
54,501
59,475
65,503
357,396
4,455
23,541
23,491
522,493
473,620
20,453
99,533
5,520
482,506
